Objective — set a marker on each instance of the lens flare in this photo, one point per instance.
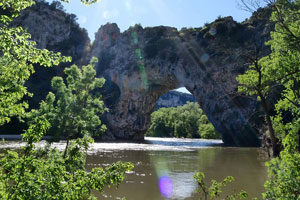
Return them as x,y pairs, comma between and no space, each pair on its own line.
165,186
140,63
212,31
204,58
135,38
139,53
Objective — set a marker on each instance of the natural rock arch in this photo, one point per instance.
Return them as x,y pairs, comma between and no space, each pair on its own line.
141,64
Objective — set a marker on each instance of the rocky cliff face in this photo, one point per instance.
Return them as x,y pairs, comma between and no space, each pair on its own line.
141,64
54,30
173,99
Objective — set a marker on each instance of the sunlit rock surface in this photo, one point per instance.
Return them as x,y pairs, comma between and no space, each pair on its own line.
141,64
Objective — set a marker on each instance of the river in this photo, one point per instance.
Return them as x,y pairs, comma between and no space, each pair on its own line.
164,167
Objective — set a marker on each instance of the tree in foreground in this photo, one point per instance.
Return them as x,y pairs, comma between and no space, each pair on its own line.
214,191
284,173
18,54
47,173
281,67
75,108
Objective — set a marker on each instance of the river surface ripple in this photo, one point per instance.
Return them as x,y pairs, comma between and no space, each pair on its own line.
164,167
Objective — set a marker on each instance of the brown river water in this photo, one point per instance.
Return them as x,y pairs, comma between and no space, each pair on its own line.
164,167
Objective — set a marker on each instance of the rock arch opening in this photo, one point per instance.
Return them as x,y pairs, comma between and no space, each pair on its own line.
177,114
144,63
140,64
174,98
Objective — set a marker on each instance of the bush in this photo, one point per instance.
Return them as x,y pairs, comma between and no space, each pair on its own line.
206,129
186,121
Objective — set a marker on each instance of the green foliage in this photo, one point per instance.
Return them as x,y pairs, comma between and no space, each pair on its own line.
48,174
160,126
18,54
206,129
182,121
284,173
284,64
215,189
252,82
281,67
75,108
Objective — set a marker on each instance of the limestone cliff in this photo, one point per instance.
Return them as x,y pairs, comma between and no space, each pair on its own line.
54,30
141,64
173,99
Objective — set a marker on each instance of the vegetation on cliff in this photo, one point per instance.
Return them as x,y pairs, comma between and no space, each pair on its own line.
186,121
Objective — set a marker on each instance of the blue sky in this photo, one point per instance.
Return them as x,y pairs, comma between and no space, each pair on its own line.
175,13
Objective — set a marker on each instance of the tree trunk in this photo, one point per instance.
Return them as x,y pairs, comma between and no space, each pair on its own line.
66,149
274,140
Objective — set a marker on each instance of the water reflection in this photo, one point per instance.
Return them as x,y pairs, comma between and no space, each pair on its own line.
167,173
